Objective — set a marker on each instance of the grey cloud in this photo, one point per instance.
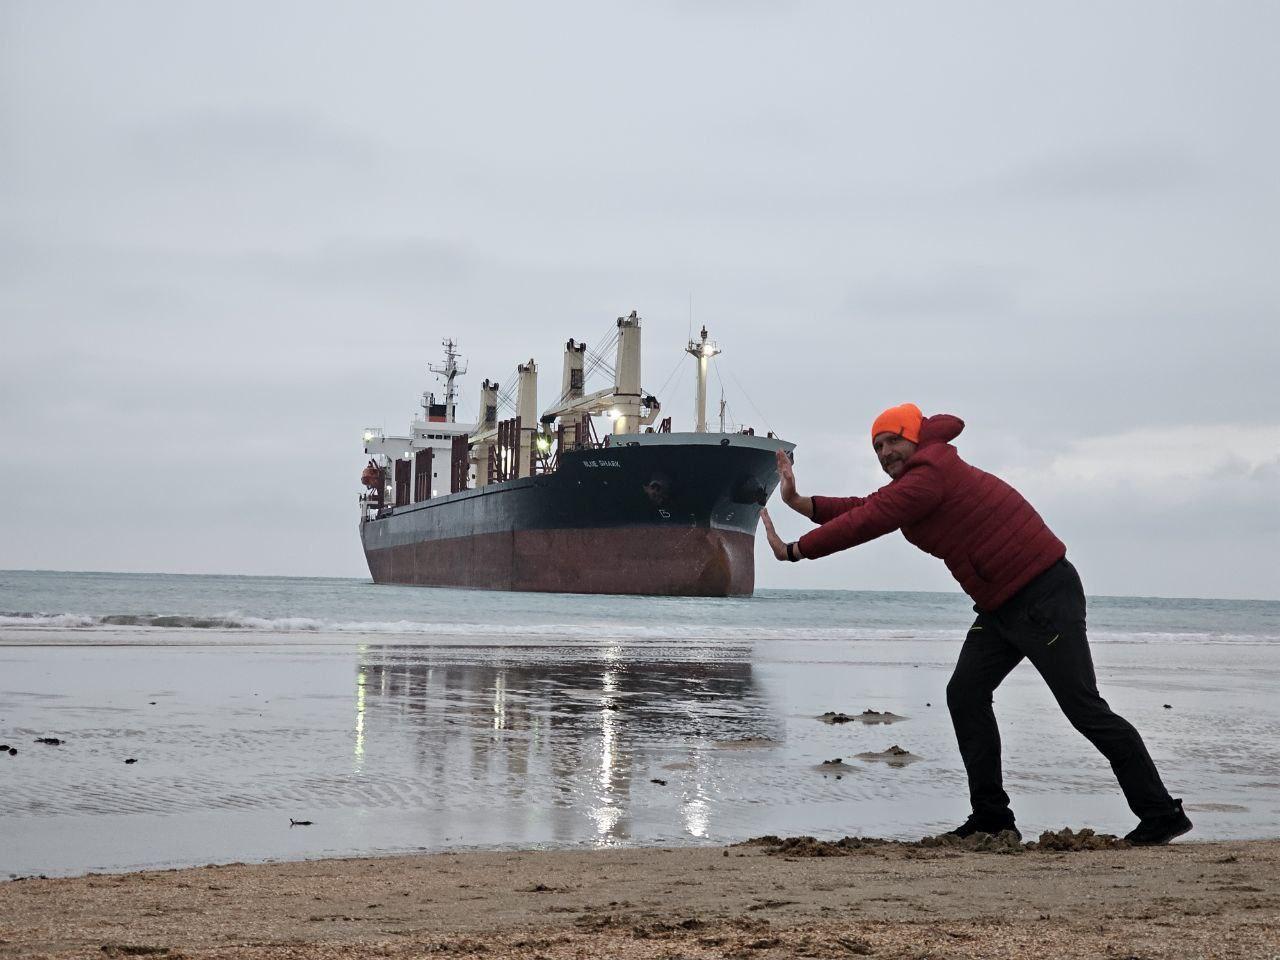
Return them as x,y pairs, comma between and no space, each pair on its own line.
392,263
214,143
943,293
1221,538
1106,175
210,253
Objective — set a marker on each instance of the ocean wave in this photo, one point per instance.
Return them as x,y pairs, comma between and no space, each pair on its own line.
242,623
224,621
47,620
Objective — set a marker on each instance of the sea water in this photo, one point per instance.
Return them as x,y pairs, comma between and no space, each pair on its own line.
396,719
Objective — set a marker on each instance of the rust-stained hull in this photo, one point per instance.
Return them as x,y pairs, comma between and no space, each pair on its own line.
667,562
666,515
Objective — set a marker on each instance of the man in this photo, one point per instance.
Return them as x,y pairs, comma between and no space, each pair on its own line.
1028,598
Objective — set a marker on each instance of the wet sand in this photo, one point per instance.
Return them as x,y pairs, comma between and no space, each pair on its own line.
417,749
1185,900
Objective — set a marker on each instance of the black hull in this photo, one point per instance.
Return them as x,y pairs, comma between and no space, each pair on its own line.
674,515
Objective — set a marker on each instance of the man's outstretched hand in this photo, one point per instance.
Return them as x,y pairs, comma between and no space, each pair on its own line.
787,486
786,477
776,543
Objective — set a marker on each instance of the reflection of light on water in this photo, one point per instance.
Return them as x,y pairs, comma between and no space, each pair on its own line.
607,814
500,701
359,747
606,818
608,729
697,816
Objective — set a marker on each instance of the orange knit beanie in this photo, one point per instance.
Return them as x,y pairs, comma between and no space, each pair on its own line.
903,420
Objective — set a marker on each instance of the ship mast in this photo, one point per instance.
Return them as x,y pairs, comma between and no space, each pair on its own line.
449,370
702,351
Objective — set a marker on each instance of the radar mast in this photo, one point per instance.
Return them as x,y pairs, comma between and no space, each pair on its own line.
449,370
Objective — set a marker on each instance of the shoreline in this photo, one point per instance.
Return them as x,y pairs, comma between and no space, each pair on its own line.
892,900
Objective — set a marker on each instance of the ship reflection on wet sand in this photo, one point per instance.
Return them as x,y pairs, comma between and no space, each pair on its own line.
604,738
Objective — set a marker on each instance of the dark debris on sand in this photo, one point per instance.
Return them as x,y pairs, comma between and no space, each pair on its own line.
866,716
895,756
812,847
1065,840
1006,841
1068,840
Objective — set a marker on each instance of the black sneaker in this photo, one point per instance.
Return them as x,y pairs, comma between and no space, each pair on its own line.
1153,831
994,825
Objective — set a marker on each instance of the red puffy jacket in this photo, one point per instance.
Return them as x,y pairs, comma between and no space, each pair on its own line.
992,540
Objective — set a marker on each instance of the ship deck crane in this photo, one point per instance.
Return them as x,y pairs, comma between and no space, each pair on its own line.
623,402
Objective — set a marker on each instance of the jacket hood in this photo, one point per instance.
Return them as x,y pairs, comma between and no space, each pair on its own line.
940,428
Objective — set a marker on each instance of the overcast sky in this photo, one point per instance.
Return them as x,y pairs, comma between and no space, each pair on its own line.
232,235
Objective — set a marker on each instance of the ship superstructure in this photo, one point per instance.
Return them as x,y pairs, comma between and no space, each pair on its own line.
542,501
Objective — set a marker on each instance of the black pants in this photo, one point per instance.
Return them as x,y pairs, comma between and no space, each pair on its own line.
1044,622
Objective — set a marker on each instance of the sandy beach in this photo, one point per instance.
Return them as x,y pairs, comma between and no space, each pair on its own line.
900,900
568,780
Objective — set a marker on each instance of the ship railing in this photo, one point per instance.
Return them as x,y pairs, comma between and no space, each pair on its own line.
371,505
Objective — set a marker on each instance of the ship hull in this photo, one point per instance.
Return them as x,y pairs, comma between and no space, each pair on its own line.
664,515
692,562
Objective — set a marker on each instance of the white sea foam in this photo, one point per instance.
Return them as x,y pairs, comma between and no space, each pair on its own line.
596,630
63,620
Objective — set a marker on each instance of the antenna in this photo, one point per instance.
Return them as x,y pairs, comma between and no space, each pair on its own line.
449,370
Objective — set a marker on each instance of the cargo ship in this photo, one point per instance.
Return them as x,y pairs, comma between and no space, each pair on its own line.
540,501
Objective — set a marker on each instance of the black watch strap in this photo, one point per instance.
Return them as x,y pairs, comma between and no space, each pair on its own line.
791,552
